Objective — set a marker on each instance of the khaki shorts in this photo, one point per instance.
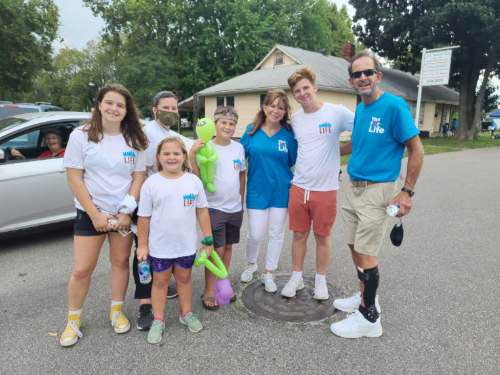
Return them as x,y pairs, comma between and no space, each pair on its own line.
365,217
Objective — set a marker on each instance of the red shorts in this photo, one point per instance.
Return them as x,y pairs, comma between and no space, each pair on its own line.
305,206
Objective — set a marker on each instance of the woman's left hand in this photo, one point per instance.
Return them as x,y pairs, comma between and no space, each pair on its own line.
123,222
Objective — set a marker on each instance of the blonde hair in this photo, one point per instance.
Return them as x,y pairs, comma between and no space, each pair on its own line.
304,73
185,164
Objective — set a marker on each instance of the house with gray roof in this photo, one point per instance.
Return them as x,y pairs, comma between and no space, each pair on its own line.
246,92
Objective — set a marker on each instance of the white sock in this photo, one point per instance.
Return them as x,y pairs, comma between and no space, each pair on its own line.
116,303
319,278
297,275
75,312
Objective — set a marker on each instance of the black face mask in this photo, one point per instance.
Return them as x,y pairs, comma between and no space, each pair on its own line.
397,234
169,119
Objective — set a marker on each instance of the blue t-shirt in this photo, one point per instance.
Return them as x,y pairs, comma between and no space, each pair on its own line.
380,130
269,160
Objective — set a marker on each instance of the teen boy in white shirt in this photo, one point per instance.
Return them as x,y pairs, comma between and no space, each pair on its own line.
313,195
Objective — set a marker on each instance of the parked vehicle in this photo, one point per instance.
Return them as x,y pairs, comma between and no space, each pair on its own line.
11,109
34,192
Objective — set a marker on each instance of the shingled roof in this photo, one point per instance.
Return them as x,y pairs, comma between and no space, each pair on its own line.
331,75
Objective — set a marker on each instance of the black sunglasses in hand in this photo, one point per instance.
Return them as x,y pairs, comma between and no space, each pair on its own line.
367,73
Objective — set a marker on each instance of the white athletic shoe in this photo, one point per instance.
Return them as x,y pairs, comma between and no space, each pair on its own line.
247,274
356,326
320,290
268,282
291,287
351,304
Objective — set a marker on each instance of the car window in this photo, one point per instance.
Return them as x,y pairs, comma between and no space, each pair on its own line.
10,122
23,141
32,145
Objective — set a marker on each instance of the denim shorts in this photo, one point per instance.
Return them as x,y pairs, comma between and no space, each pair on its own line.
163,264
83,225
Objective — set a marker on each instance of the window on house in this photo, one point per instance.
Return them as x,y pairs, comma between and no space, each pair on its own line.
230,101
262,97
278,58
220,101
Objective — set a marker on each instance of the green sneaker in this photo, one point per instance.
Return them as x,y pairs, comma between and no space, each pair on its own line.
156,332
192,322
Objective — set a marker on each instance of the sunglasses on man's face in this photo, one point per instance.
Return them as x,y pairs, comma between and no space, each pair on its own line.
367,73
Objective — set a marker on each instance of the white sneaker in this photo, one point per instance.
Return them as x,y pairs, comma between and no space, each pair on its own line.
268,281
291,287
356,326
351,304
320,290
247,274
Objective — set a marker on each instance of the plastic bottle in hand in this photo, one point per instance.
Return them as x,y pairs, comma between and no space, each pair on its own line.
392,210
144,272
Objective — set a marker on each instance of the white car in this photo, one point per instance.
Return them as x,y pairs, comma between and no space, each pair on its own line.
33,191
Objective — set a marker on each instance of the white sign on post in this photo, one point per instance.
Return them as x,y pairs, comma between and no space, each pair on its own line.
434,70
436,67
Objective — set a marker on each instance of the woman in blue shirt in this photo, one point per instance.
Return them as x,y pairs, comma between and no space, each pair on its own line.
271,151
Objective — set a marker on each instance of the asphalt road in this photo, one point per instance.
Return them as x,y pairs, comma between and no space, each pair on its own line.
439,295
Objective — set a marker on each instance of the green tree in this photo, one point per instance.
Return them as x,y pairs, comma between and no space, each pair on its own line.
189,45
491,98
400,29
27,30
74,77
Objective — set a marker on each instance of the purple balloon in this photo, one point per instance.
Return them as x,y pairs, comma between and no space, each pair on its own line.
223,292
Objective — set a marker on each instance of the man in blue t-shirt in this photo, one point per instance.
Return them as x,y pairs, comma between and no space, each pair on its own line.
383,128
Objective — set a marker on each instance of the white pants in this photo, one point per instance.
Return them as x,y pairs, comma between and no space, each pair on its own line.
272,221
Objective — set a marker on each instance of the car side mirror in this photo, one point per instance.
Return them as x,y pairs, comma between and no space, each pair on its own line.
2,156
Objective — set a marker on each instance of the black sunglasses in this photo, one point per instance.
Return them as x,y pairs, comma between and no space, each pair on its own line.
367,73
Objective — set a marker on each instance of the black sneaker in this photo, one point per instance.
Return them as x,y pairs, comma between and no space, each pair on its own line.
172,290
144,317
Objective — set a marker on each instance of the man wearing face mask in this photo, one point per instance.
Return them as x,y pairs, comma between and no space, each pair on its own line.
165,117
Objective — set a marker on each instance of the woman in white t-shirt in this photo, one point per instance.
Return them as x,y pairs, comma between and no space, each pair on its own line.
171,201
105,163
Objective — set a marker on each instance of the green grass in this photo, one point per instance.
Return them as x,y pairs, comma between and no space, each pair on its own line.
448,144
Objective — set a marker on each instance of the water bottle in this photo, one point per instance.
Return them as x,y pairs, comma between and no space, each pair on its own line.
144,272
392,210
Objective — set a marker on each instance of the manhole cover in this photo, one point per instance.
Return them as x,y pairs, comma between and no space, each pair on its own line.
302,308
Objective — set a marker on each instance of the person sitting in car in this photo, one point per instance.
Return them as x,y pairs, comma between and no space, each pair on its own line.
53,141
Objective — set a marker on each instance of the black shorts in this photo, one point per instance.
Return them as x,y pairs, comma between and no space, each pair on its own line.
225,227
83,225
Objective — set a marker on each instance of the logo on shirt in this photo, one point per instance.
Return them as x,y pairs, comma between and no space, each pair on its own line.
375,126
237,164
325,128
282,146
189,199
129,157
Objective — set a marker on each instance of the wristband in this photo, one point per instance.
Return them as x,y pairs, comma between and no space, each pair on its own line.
128,205
207,241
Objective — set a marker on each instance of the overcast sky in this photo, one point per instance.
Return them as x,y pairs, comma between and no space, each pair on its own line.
78,25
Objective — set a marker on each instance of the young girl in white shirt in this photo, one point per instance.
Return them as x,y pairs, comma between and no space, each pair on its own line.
105,163
171,201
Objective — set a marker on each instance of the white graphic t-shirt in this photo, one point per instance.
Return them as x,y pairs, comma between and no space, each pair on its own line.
318,157
230,162
107,165
171,204
155,134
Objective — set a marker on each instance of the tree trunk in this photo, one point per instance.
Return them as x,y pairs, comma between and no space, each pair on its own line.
480,95
467,101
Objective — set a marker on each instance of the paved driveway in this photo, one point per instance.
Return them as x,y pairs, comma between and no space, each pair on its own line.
439,295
